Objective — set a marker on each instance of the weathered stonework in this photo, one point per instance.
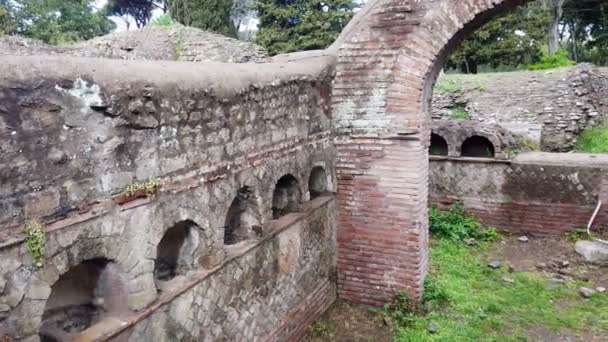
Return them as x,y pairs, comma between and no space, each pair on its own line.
548,107
204,135
536,192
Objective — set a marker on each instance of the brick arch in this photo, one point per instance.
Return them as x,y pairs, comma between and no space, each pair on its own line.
388,59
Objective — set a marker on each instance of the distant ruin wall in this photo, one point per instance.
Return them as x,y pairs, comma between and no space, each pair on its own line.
539,193
549,107
75,133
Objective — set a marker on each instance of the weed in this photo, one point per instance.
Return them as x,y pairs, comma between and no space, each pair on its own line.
433,292
35,238
593,140
459,113
149,187
401,311
322,329
556,60
163,21
456,224
578,234
447,86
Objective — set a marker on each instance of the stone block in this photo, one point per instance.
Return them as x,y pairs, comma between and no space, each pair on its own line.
593,251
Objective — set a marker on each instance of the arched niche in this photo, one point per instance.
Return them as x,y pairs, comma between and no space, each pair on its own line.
477,147
173,253
286,197
317,182
439,146
243,218
81,297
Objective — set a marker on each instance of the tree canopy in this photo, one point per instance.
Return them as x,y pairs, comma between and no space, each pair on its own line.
54,21
295,25
209,15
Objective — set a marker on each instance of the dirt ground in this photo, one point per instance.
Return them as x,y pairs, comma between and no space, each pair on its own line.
345,322
554,257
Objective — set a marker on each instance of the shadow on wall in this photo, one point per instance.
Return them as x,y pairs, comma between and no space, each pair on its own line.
317,182
477,147
286,197
83,296
171,250
243,217
439,147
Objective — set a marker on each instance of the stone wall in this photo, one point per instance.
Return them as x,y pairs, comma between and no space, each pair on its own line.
539,193
548,107
75,133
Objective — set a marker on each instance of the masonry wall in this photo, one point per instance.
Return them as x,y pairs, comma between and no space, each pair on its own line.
539,193
75,133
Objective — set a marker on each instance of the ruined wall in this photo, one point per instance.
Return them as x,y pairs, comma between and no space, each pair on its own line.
549,107
540,193
75,133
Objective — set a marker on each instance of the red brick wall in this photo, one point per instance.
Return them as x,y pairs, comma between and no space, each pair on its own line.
541,198
388,58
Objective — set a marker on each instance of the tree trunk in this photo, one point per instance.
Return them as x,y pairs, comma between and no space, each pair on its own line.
573,37
557,10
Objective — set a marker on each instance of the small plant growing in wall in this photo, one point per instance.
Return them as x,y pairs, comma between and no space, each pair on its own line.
35,238
138,190
148,187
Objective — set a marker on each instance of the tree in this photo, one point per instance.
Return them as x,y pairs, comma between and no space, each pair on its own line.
209,15
556,11
510,40
295,25
587,23
59,21
7,24
138,11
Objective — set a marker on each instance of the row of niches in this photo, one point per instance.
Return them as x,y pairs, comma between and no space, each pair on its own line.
473,147
96,289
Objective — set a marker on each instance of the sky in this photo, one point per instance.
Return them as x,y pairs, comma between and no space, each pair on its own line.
121,26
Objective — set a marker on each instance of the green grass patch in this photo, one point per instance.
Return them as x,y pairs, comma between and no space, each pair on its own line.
447,86
459,113
593,140
472,302
557,60
163,21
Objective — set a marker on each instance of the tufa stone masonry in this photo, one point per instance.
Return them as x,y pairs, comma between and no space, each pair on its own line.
208,201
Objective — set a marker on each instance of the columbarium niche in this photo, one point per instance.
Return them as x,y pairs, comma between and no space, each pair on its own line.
317,183
173,251
478,147
83,296
242,218
286,197
439,147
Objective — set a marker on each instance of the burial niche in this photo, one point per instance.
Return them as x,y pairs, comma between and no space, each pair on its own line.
439,147
317,183
478,147
81,297
172,250
242,218
286,197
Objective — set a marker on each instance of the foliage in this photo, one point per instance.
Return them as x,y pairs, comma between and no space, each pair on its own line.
455,224
58,21
149,187
523,144
433,292
587,29
557,60
447,86
593,140
7,24
578,234
163,21
401,311
35,238
459,113
296,25
482,307
322,329
515,38
209,15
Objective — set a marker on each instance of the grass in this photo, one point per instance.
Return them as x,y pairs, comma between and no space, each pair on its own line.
459,113
472,302
593,140
35,238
